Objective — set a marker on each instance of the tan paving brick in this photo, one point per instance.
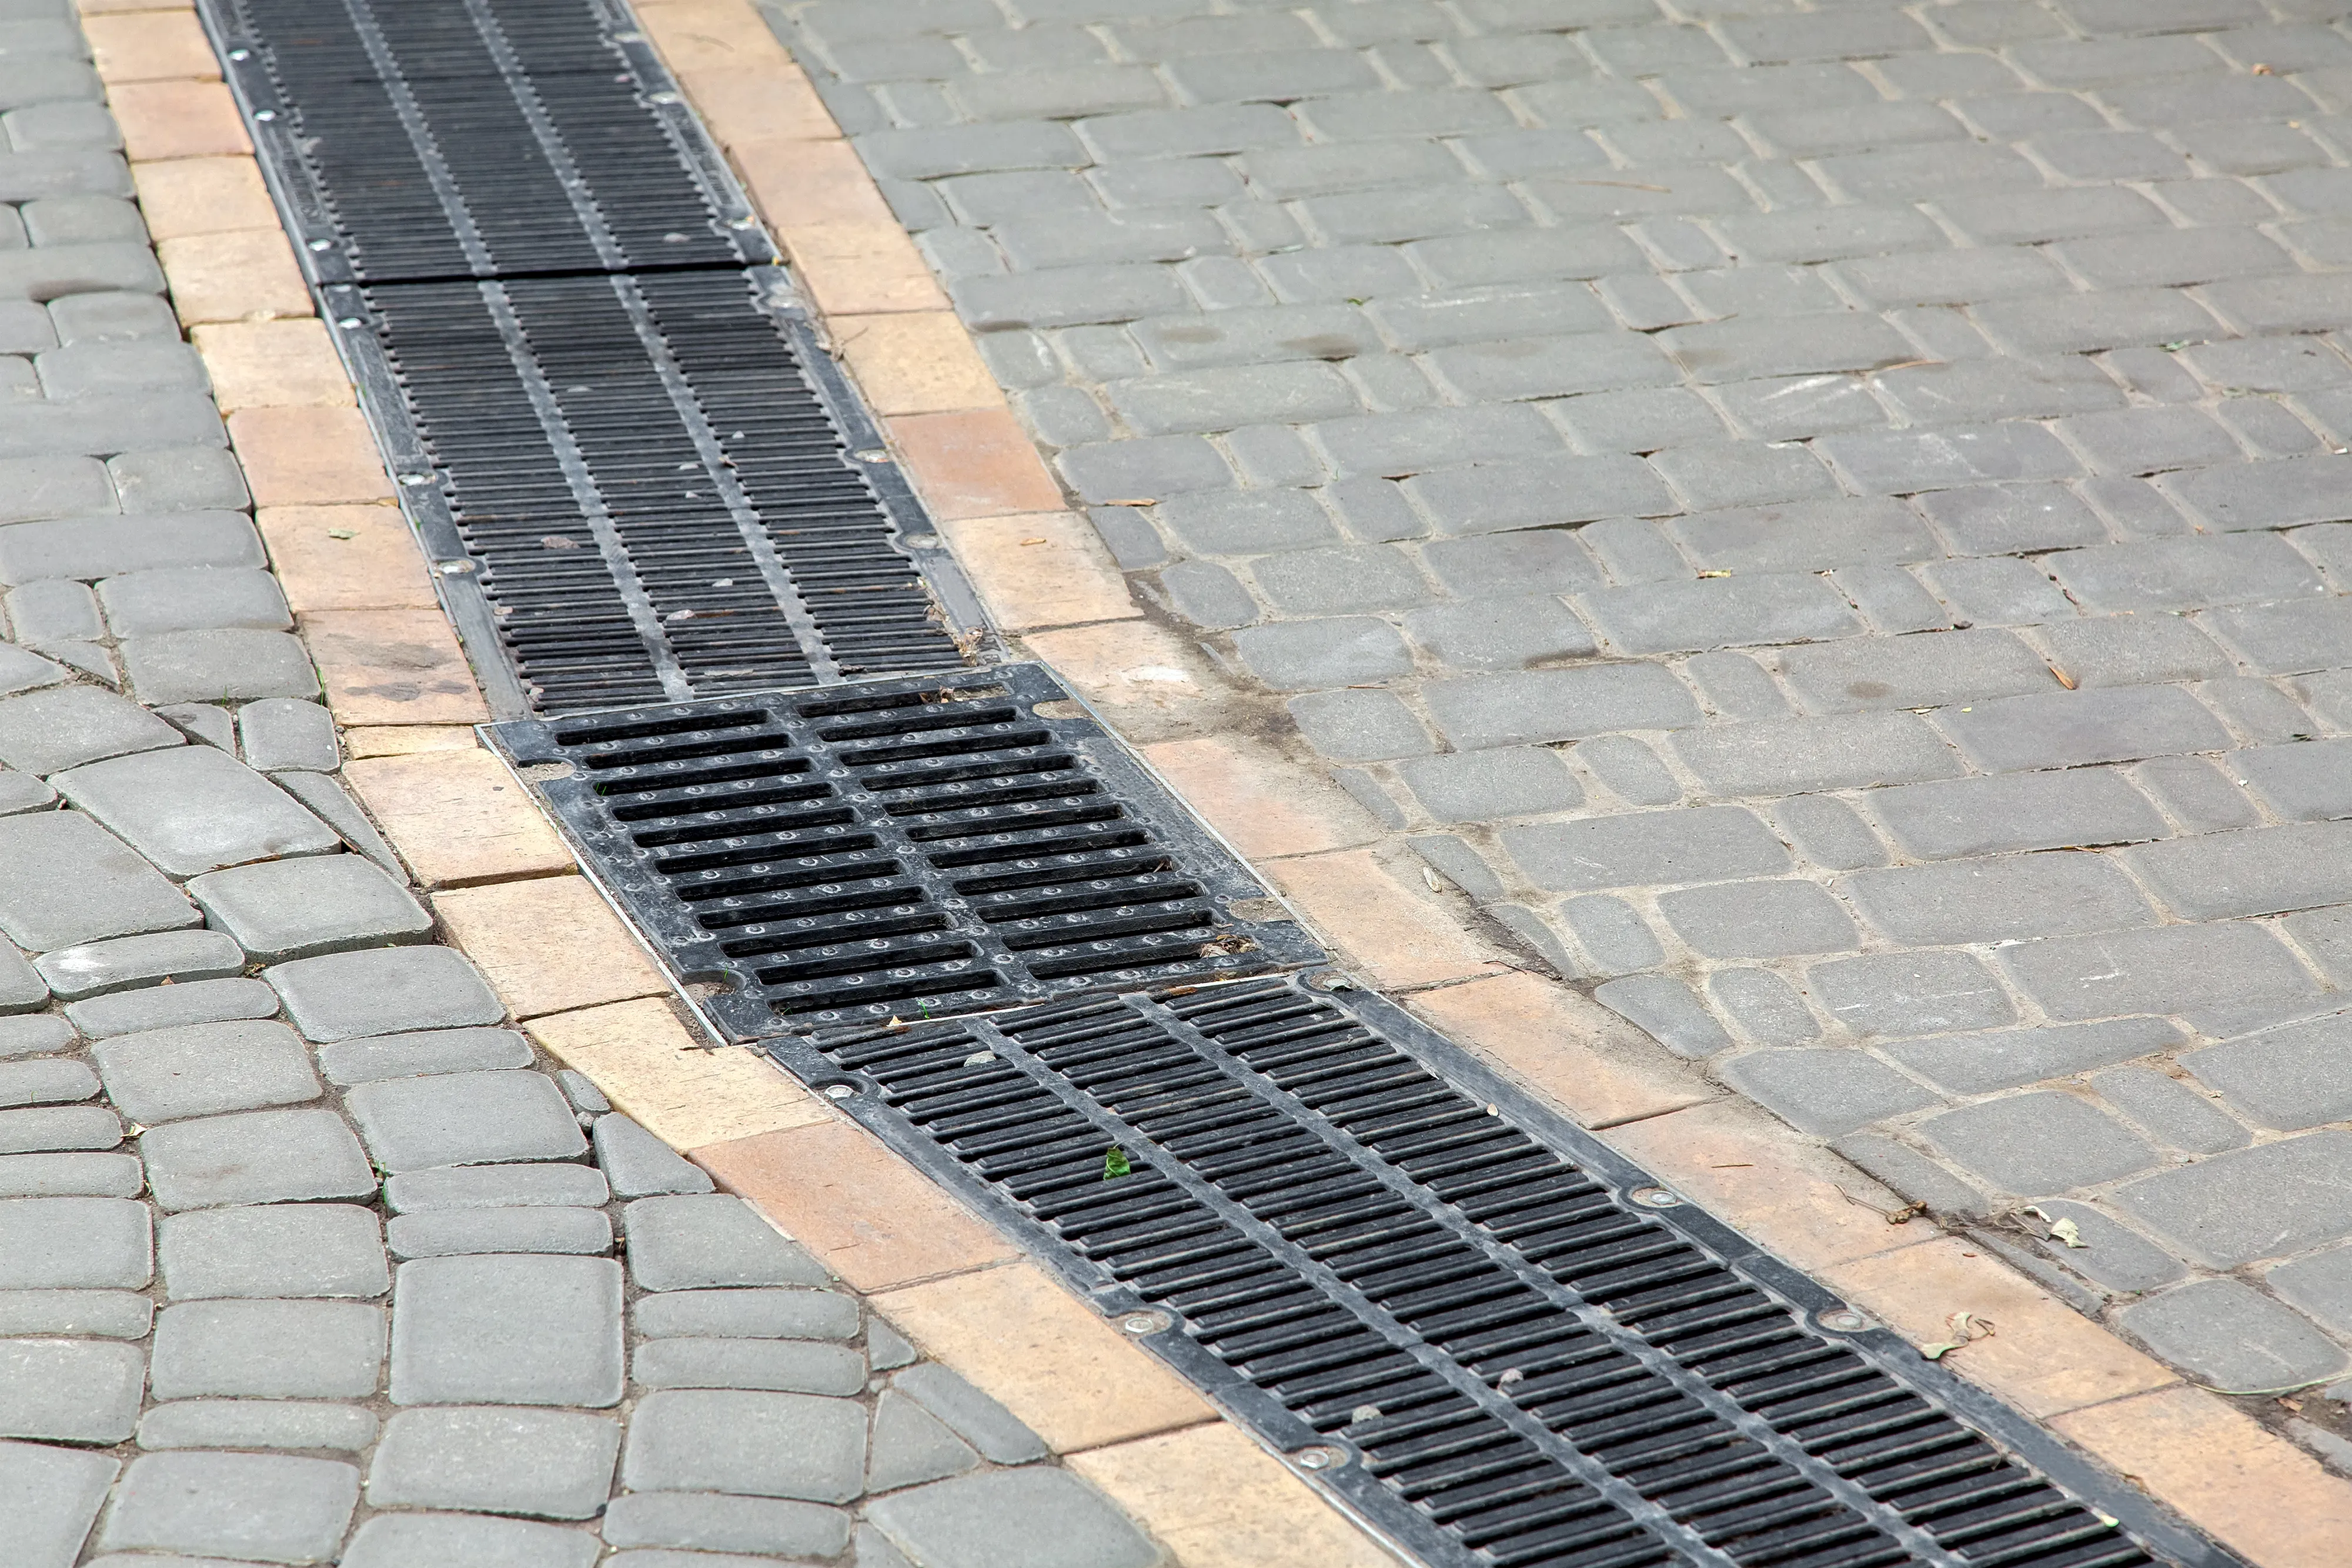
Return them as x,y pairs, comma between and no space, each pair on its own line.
872,1217
976,463
548,943
665,1077
149,46
400,740
172,120
393,666
1574,1055
853,257
707,34
458,817
306,457
258,364
235,276
1049,570
1137,676
186,197
746,106
1217,1500
346,558
1077,1381
914,362
1388,925
1263,803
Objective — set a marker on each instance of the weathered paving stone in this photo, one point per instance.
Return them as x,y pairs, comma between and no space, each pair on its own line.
279,910
203,1070
22,671
172,1007
70,1391
746,1314
65,880
549,1464
50,731
385,990
707,1521
23,792
2009,1058
273,1507
256,1156
445,1233
21,983
2267,1201
380,1057
2289,1078
193,599
507,1330
977,1521
45,1083
2039,1145
257,1424
94,968
911,1445
975,1418
398,1541
74,1243
202,723
90,547
231,666
887,1349
581,1091
464,1118
273,1249
792,1366
2320,1284
688,1243
48,1500
2113,1255
55,1129
751,1443
333,805
1826,1091
283,733
36,1035
2230,1335
99,1314
194,809
495,1188
70,1175
639,1165
267,1349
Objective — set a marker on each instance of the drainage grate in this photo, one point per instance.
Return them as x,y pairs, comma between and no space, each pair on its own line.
641,476
910,848
1453,1309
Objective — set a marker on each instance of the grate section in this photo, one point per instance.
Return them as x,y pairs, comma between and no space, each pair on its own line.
1465,1331
487,138
909,848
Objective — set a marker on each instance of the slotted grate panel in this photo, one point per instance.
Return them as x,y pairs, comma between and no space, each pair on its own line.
1444,1301
909,848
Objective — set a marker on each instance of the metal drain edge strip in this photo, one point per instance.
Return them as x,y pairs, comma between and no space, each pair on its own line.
2005,1428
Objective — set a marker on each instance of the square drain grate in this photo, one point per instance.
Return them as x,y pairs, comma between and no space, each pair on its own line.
913,848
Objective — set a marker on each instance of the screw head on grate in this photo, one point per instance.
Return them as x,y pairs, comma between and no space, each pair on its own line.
322,245
241,53
871,455
348,321
1140,1324
839,1090
1845,1320
1654,1197
1318,1459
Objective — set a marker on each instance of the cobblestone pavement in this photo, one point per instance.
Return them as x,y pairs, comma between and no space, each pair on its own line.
303,1257
1819,517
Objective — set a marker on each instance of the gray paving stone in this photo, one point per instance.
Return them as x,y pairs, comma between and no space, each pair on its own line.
23,792
1826,1091
1360,727
2113,1256
1297,656
221,665
91,968
48,1500
684,1560
2262,871
332,804
443,1233
2230,1336
2038,1144
2320,1285
70,1391
549,1464
2305,781
1926,671
2288,1078
2184,574
268,1350
707,1521
44,612
256,1424
507,1330
2175,1113
2003,898
382,1057
1910,993
273,1250
382,991
2073,729
581,1091
1847,751
1500,635
33,1034
169,1006
1676,617
790,1366
47,731
978,1522
1766,919
973,1416
495,1188
92,548
639,1165
2008,1058
1765,1006
194,809
1478,786
911,1445
692,1242
2183,969
45,1082
279,910
193,599
58,1128
21,984
746,1314
2071,809
796,1445
394,1540
284,733
1828,832
100,1314
1646,848
2262,1202
70,1175
2293,638
74,1243
178,479
256,1156
1538,705
464,1118
203,1070
1612,934
272,1507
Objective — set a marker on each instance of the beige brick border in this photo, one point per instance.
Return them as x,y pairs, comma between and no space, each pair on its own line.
509,894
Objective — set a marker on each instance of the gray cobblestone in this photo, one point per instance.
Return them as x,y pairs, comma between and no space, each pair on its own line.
389,1541
1338,652
382,990
46,732
2037,1145
548,1464
1758,919
283,732
191,808
287,1250
746,1313
1826,1092
2261,871
54,1497
2168,1108
279,1508
1910,993
256,1157
253,1424
2134,650
1611,933
267,1349
2009,1058
2167,970
2288,1078
1667,1009
164,956
205,1069
1646,848
639,1165
2067,809
1500,633
92,548
2006,898
2320,1285
2264,1202
693,1242
707,1521
1673,617
746,1444
1779,756
387,1056
69,1174
2071,729
1539,706
1502,782
1360,727
60,1129
464,1118
543,1228
507,1330
971,1522
2231,1336
557,1186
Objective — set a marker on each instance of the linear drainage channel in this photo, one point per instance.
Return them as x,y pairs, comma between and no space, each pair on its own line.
640,476
1480,1329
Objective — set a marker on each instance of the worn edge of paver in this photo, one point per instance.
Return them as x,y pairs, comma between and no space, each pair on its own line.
995,501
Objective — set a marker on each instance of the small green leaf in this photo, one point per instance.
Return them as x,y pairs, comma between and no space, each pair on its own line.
1115,1163
341,534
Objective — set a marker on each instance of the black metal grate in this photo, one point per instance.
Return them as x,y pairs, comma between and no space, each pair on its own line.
1492,1352
641,476
909,848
